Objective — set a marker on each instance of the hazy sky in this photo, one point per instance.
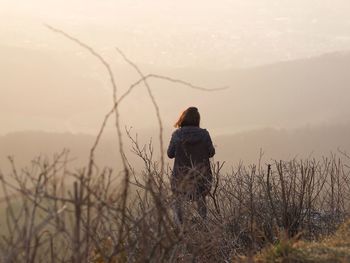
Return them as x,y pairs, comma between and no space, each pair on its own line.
49,83
199,33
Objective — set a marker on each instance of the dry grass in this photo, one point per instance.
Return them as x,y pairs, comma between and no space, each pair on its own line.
49,216
334,248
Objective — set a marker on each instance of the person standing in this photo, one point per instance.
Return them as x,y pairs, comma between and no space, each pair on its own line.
191,178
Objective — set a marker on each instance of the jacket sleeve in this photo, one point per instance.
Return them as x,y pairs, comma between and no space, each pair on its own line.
211,148
172,145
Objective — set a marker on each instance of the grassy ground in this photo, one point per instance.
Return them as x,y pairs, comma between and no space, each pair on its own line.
335,248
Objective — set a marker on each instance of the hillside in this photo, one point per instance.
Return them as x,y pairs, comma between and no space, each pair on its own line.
335,248
309,141
26,146
44,91
285,94
285,144
59,91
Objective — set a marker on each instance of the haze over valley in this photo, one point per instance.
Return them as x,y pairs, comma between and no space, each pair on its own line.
285,65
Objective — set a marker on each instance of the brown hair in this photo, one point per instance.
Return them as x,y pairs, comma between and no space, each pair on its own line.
190,117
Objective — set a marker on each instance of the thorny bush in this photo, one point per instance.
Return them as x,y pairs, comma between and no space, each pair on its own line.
54,215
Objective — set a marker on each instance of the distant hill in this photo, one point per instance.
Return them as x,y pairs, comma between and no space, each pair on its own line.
27,146
309,141
52,90
283,144
285,94
41,90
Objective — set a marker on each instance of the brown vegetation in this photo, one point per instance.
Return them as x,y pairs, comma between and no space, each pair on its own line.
95,220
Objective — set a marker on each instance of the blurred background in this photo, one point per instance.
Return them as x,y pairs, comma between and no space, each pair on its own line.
285,63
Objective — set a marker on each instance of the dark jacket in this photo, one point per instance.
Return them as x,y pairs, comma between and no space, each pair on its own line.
191,147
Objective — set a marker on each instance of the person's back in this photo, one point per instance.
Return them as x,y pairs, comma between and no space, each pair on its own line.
191,147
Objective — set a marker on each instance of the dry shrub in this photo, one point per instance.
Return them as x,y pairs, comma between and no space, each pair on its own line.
53,214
